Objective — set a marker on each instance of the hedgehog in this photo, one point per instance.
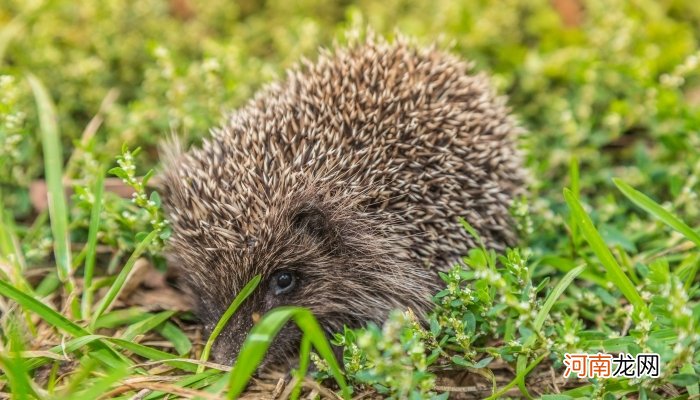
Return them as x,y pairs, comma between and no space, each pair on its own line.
342,186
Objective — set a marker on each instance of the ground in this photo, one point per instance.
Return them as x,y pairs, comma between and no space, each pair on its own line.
608,91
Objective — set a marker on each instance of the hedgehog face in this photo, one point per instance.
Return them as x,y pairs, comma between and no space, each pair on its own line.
304,250
324,257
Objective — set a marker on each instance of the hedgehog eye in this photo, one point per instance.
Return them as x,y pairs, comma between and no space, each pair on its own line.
283,282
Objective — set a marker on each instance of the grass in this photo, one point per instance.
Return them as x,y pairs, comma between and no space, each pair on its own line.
93,229
121,278
615,274
237,301
651,207
262,335
608,91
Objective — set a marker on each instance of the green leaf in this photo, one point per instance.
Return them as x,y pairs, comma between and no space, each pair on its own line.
120,317
192,381
566,265
554,296
141,350
68,347
615,273
146,325
177,337
483,362
693,388
684,379
653,208
147,177
470,229
304,355
106,354
90,256
15,368
155,198
119,172
575,189
153,354
100,386
141,236
240,298
118,283
520,376
10,251
49,315
18,378
262,335
53,169
521,364
461,361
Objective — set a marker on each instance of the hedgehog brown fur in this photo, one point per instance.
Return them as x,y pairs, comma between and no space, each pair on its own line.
343,186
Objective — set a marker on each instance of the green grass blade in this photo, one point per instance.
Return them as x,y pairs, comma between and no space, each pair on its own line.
176,336
262,334
78,377
558,290
220,384
12,257
615,273
98,387
689,274
146,325
472,232
554,296
693,389
16,375
141,350
98,351
107,355
240,298
48,314
152,354
519,377
195,381
118,283
10,252
93,229
304,355
653,208
565,265
12,363
121,317
47,285
574,179
53,167
65,348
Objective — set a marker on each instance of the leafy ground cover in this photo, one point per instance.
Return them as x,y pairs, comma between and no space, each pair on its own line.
608,90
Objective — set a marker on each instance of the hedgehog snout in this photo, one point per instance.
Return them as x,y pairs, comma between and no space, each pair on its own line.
227,347
228,344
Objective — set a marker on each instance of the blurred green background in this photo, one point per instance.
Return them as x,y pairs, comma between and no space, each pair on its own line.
612,83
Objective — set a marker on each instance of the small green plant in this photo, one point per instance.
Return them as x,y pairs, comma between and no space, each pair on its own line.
150,204
393,359
490,298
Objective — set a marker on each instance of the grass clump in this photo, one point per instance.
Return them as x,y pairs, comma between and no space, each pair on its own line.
608,90
492,311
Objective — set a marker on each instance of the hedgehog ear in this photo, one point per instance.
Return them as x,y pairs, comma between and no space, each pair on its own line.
311,220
